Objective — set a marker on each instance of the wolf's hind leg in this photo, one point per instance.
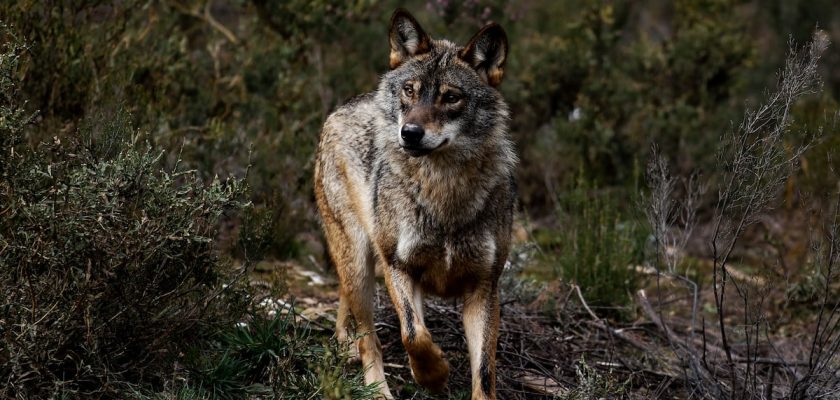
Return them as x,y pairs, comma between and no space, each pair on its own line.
342,326
357,293
351,255
481,326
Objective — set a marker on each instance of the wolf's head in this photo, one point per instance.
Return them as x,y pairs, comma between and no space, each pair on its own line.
442,97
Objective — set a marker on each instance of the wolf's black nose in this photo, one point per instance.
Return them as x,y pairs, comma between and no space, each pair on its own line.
412,134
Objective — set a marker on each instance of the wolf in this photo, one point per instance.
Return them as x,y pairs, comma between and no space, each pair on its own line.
417,179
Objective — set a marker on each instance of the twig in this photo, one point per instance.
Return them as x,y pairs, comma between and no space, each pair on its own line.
583,302
603,326
652,314
207,17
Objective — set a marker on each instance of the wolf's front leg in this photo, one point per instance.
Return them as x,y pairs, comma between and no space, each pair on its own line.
481,325
428,366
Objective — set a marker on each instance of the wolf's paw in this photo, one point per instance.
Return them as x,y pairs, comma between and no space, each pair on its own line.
430,369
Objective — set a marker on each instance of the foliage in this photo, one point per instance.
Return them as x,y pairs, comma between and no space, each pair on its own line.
599,247
600,88
819,379
213,78
515,284
593,385
13,116
107,261
274,357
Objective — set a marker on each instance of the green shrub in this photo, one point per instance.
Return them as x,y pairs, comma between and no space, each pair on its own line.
13,116
214,79
597,246
590,83
108,264
275,357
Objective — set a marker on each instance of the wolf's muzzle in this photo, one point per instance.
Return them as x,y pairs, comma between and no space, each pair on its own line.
412,134
414,142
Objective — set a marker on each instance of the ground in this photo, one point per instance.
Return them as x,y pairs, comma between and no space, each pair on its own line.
553,344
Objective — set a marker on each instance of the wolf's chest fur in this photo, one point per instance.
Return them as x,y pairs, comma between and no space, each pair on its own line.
445,263
432,214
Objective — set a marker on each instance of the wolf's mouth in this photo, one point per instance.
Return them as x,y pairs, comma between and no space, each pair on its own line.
422,151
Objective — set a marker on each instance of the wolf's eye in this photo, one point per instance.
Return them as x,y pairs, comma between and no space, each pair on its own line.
408,89
451,98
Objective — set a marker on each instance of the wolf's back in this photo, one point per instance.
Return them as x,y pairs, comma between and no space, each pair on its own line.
344,163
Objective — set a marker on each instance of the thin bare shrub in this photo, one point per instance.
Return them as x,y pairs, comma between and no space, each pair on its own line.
819,378
736,357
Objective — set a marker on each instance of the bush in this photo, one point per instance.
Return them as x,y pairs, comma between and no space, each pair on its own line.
594,385
108,264
599,86
757,158
277,357
213,78
597,247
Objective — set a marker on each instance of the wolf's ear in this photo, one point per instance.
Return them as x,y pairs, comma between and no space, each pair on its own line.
486,52
407,38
